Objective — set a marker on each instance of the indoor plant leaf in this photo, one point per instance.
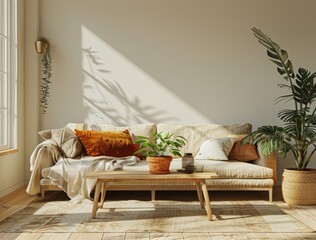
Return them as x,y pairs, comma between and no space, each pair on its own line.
298,133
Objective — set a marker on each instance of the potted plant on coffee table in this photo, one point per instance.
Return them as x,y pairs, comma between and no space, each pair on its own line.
298,133
159,150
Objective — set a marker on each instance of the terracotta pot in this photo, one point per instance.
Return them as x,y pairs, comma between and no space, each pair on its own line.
298,186
159,165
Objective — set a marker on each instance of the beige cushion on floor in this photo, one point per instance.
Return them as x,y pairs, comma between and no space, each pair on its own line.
197,134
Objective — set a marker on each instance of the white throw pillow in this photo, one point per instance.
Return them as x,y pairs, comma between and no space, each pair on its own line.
215,149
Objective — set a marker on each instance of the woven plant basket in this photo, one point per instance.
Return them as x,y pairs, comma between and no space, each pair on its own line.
159,165
298,186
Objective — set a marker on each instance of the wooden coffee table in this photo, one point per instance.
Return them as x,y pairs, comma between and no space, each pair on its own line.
105,177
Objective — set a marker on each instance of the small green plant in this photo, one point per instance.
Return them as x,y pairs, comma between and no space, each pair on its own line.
160,145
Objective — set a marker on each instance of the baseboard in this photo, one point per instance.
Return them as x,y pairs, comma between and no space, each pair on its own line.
11,189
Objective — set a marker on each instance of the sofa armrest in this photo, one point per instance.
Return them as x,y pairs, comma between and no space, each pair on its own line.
51,153
267,161
45,155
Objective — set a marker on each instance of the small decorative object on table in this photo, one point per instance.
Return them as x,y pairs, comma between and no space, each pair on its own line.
199,168
187,160
187,163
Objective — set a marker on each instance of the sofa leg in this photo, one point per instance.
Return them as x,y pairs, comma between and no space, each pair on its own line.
42,194
270,194
153,195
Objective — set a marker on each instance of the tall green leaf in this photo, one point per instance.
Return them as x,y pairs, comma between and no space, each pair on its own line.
298,133
277,55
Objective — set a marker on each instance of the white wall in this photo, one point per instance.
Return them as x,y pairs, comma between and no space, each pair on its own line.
32,78
193,61
12,165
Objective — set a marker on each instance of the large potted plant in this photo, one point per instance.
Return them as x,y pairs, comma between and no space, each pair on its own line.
298,133
159,150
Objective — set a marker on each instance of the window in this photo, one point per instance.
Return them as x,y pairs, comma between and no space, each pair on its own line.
7,72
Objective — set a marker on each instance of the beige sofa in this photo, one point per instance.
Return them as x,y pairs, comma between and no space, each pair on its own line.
257,175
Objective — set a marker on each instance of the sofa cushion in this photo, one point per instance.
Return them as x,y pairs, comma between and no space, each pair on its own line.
66,140
197,134
215,149
239,183
107,143
144,129
224,169
73,126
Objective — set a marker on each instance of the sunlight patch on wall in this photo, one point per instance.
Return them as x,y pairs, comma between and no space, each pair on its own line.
117,91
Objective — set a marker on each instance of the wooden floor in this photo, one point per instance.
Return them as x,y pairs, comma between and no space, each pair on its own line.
17,200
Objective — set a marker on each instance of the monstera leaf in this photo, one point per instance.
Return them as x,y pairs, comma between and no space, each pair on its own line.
305,88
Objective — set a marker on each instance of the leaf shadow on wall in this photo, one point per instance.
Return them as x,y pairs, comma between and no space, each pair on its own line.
108,102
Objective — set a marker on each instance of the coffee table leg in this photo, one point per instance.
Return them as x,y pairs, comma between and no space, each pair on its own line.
103,192
199,193
207,201
96,199
153,195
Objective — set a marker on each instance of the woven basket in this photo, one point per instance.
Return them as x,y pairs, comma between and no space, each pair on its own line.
298,186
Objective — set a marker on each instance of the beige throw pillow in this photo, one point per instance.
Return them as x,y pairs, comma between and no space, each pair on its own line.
73,126
144,129
66,139
215,149
199,133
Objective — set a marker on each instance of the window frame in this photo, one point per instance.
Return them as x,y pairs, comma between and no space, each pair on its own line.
9,74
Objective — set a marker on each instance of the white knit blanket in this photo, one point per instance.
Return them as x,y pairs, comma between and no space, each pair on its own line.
69,173
39,159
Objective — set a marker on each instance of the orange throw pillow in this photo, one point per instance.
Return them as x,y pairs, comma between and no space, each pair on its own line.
107,143
243,152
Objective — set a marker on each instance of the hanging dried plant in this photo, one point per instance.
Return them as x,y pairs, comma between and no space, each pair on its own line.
46,80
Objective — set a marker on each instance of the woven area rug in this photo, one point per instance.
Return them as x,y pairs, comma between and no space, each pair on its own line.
146,216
